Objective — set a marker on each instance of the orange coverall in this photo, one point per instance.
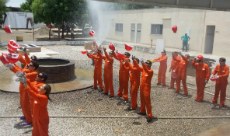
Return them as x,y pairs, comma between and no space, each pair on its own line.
37,85
135,73
16,69
202,75
40,112
221,83
182,75
108,74
174,68
24,60
24,97
145,88
97,69
123,78
162,69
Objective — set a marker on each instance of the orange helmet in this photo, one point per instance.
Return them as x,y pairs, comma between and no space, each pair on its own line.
200,57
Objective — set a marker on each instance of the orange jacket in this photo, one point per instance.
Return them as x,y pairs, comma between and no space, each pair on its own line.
97,60
175,63
202,70
162,59
108,62
182,70
24,60
124,66
135,71
147,74
27,58
37,84
222,72
21,59
30,74
175,66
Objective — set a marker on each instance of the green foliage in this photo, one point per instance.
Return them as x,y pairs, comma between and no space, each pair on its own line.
63,14
2,8
27,6
37,10
59,11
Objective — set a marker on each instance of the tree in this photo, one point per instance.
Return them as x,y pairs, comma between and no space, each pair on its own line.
62,13
27,6
2,9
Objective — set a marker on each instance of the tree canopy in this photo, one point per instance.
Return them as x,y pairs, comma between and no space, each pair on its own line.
58,11
27,6
2,8
61,13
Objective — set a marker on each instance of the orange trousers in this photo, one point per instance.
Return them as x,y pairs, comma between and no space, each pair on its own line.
108,81
98,78
174,77
133,93
119,93
161,75
123,84
145,100
172,82
183,80
220,89
25,103
40,126
200,84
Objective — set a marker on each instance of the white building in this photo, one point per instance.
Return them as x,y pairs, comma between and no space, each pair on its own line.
20,20
209,30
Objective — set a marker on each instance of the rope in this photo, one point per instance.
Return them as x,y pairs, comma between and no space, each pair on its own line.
133,117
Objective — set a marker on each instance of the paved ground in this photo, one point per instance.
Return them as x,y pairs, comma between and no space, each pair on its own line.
84,79
89,112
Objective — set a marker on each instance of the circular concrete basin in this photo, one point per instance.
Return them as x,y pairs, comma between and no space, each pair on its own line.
58,70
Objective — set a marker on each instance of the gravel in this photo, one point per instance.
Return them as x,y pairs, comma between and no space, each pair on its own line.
89,112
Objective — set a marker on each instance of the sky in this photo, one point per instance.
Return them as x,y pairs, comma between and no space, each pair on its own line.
14,3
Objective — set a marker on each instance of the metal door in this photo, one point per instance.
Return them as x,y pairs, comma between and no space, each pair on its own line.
209,39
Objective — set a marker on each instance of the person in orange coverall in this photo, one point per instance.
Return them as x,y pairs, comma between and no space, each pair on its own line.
24,57
97,57
202,76
135,73
182,74
123,76
24,97
174,68
40,80
145,90
40,112
221,73
31,73
108,73
162,69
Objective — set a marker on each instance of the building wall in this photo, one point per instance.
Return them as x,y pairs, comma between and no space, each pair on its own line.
221,20
19,19
189,21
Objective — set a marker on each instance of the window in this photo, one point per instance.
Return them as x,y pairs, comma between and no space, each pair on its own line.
119,27
156,28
